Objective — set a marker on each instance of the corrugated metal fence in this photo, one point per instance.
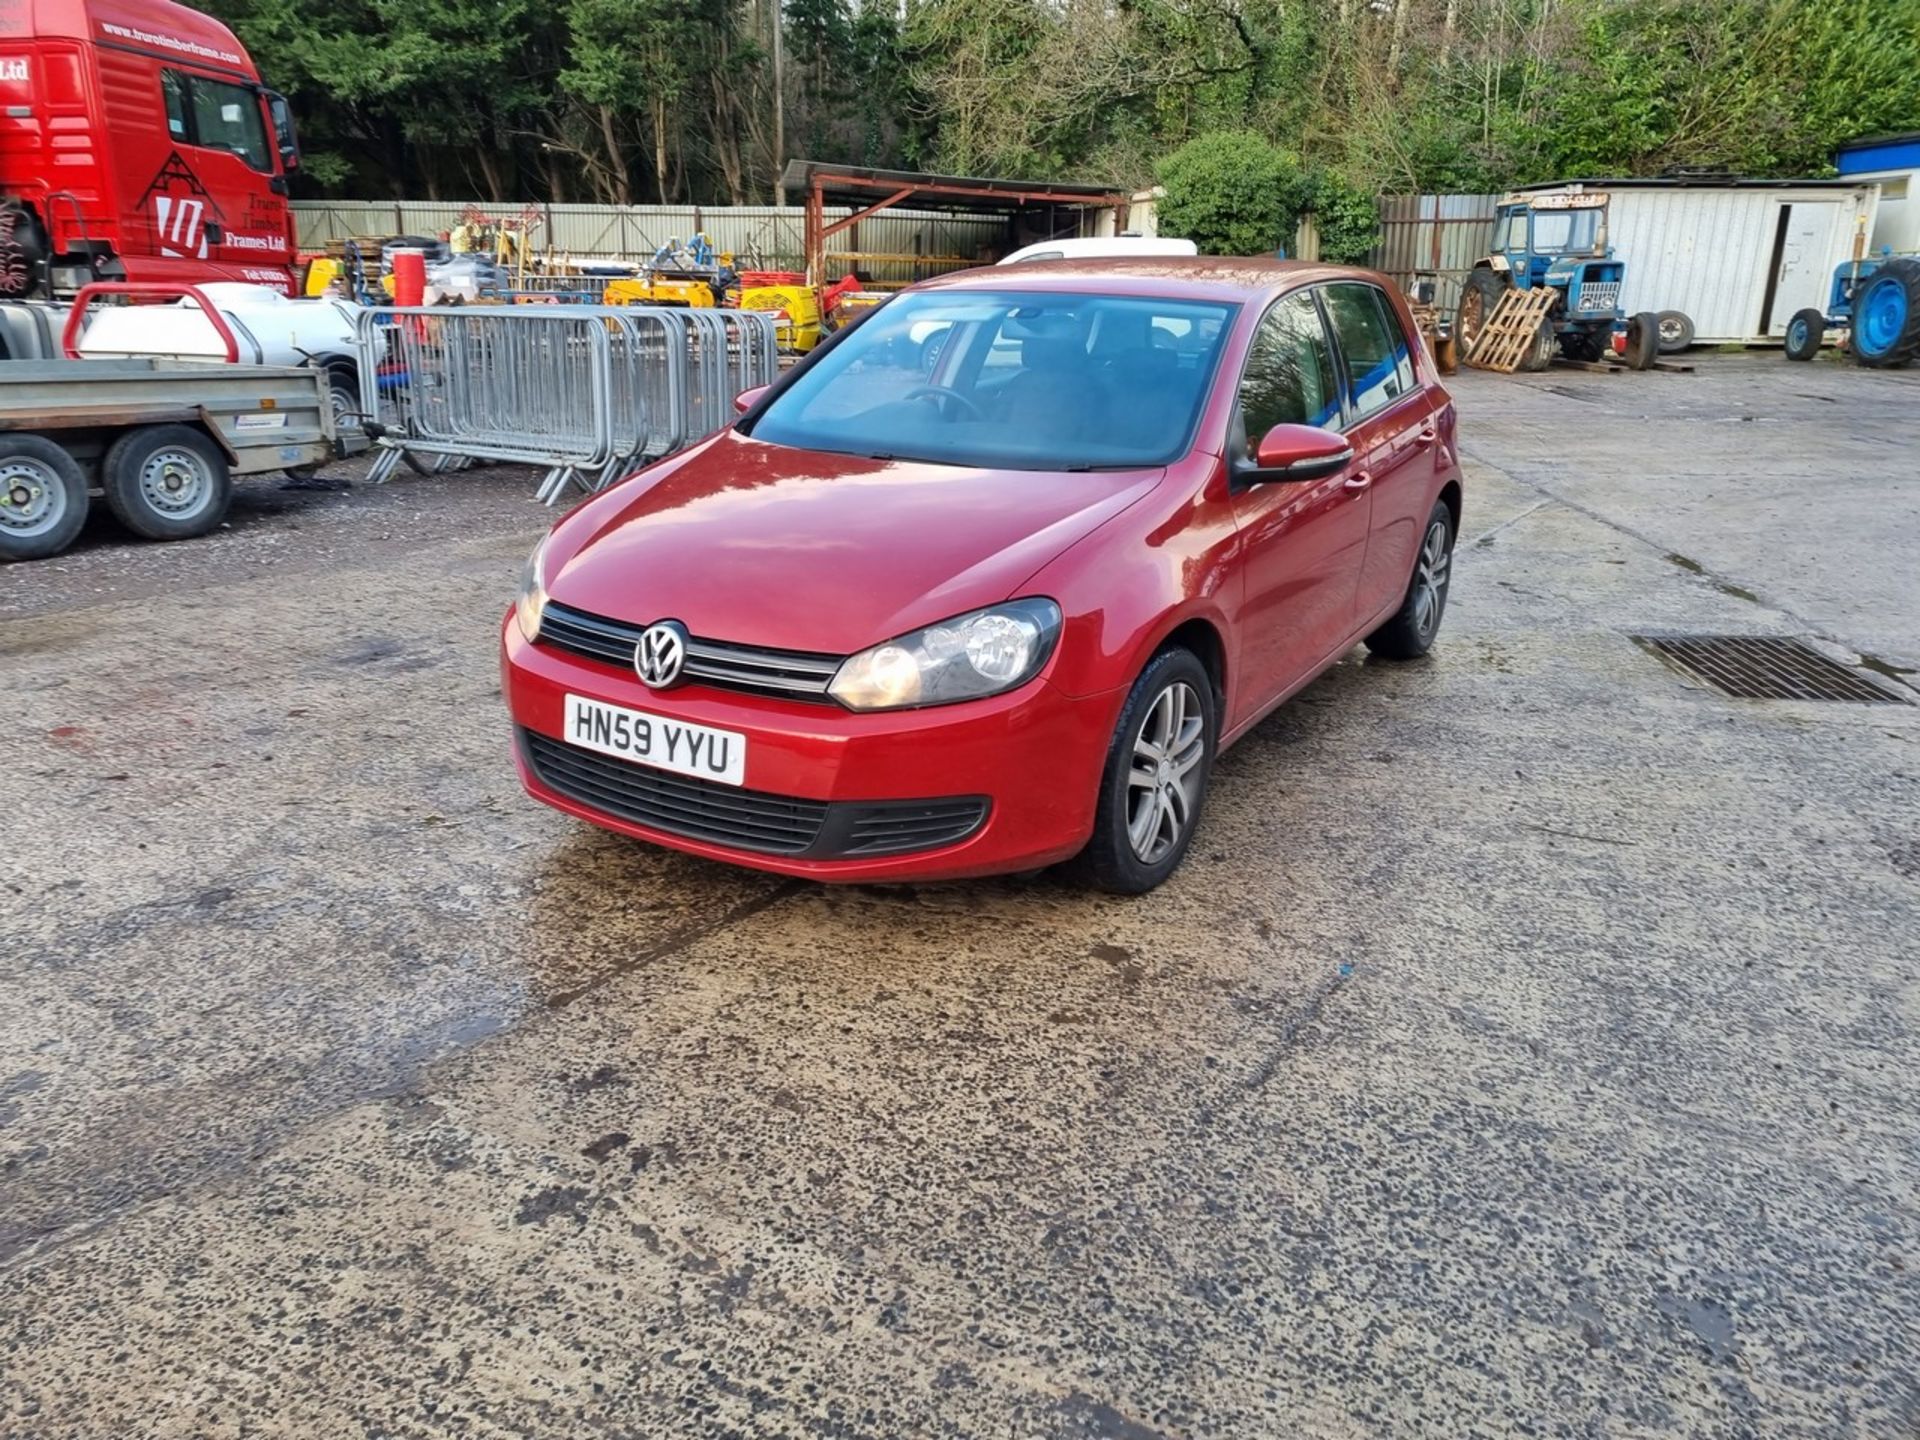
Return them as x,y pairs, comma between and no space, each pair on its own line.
913,242
1438,234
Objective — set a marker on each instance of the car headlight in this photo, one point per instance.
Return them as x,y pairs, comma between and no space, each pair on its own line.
531,603
970,656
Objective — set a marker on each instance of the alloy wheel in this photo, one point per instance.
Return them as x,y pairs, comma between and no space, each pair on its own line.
1430,576
1163,781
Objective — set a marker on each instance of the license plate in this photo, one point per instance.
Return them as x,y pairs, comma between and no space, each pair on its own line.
697,750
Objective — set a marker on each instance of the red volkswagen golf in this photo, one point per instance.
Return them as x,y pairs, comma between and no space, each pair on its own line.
988,582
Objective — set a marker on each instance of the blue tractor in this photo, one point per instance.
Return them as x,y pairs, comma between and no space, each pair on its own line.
1557,239
1877,300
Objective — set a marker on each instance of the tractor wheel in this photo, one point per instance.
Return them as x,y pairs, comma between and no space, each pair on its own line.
1583,345
1643,341
1886,315
1676,332
1478,298
1804,333
1539,355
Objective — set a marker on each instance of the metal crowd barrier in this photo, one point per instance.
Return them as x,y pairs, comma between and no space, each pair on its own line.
586,392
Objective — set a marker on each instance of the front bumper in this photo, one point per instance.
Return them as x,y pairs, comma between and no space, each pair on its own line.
1033,757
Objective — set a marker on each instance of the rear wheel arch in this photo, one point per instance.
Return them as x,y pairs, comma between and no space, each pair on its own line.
1451,498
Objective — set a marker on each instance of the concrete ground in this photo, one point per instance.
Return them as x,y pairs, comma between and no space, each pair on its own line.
1529,1046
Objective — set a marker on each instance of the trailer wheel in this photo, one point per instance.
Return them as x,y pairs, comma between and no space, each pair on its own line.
166,482
1886,315
1676,331
1804,333
1643,341
43,497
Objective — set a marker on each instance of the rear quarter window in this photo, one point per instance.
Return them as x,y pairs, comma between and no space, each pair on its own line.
1374,354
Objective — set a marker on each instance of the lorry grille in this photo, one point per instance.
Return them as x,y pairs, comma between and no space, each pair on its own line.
748,819
789,674
1600,295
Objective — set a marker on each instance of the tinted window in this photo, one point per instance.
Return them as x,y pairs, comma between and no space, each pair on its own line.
1024,380
173,89
1289,377
1379,367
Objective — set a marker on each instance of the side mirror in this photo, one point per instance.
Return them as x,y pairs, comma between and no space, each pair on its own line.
747,399
1298,452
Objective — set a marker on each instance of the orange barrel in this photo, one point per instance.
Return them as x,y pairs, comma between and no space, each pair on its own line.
409,277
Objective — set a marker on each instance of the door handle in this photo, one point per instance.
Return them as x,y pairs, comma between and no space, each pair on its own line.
1426,437
1358,481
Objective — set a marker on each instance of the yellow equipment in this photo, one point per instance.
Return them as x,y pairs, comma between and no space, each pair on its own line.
796,307
650,287
322,271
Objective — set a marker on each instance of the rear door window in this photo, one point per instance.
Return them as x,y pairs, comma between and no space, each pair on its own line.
1289,378
1375,358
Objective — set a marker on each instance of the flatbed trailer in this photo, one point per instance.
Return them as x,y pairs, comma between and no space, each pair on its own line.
160,441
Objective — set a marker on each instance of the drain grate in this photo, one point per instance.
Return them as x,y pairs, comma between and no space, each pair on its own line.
1766,667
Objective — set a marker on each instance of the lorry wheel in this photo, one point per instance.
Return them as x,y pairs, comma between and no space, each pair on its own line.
1676,331
1643,341
43,497
1478,299
1886,315
1804,333
166,482
1539,355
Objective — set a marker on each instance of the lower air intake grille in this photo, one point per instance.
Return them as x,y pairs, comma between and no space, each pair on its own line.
677,804
1766,667
749,819
909,825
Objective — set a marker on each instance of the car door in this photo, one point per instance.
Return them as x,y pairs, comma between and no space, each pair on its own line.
1302,543
1391,422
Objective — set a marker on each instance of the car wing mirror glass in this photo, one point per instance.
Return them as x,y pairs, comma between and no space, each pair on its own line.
1299,452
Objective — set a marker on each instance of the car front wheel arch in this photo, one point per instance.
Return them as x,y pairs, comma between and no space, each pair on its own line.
1203,638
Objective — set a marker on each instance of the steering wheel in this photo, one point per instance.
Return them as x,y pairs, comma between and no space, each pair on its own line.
941,392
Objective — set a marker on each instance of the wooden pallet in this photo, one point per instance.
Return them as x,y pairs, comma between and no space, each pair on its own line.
1511,329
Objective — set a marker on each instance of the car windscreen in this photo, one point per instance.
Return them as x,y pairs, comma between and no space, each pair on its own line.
1020,380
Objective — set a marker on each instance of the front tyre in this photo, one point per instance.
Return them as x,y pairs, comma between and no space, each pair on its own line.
1804,333
1643,341
1155,780
1411,632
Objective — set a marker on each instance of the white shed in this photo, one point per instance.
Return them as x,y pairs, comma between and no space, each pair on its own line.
1737,257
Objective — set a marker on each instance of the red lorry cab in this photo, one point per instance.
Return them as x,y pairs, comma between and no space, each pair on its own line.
136,142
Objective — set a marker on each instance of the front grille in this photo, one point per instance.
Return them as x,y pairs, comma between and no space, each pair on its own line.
789,674
748,819
1600,295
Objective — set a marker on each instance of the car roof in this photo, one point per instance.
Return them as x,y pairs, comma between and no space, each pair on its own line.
1189,277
